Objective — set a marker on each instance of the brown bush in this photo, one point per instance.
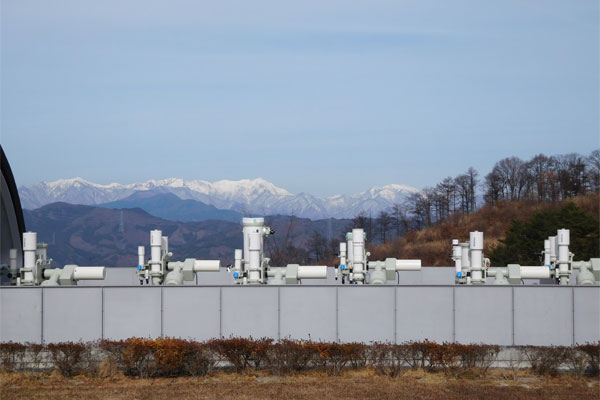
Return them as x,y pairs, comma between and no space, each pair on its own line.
68,357
11,355
333,357
137,357
35,354
243,353
417,354
478,357
546,360
388,359
592,351
289,356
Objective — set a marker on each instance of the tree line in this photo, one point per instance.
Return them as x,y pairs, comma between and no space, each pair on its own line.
540,179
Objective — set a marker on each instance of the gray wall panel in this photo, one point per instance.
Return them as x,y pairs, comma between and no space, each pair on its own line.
587,314
191,313
308,312
21,315
483,315
249,311
72,314
424,313
130,312
543,317
366,314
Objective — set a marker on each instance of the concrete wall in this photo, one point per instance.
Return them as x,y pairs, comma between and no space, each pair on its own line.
503,315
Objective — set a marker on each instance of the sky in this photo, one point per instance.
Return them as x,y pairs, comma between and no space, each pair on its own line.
325,97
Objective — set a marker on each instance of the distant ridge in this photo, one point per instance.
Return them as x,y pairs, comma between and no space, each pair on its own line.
256,196
170,207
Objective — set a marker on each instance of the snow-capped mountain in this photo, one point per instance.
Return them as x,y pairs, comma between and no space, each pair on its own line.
246,196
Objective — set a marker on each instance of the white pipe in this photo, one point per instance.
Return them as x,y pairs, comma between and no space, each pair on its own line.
155,245
238,256
476,247
89,273
530,272
312,271
547,252
254,247
456,257
464,256
207,265
358,254
562,241
408,265
141,255
343,253
29,249
42,251
164,244
553,251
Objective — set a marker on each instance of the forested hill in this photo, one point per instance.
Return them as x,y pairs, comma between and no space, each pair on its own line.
513,232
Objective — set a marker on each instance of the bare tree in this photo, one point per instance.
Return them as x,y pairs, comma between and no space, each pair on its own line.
317,246
384,224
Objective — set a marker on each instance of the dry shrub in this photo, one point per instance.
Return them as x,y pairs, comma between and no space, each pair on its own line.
243,353
137,357
12,355
546,360
388,359
478,357
198,359
176,357
333,357
107,368
35,354
417,354
577,361
592,352
291,356
69,357
359,354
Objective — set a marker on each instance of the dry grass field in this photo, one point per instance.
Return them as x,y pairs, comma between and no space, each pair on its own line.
352,384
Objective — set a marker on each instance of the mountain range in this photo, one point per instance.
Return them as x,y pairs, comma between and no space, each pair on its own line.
246,196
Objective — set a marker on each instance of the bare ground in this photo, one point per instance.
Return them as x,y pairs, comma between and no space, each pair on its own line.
363,384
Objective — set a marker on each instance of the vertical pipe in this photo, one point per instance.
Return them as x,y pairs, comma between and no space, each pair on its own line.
456,256
547,252
358,254
155,255
552,240
562,241
464,256
29,257
254,246
237,265
476,247
141,256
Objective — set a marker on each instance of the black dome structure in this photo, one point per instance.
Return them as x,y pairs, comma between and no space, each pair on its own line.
12,223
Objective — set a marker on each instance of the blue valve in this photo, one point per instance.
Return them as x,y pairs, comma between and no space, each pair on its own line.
236,275
459,274
342,267
139,267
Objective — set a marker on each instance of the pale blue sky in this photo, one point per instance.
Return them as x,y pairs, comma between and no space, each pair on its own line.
316,96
